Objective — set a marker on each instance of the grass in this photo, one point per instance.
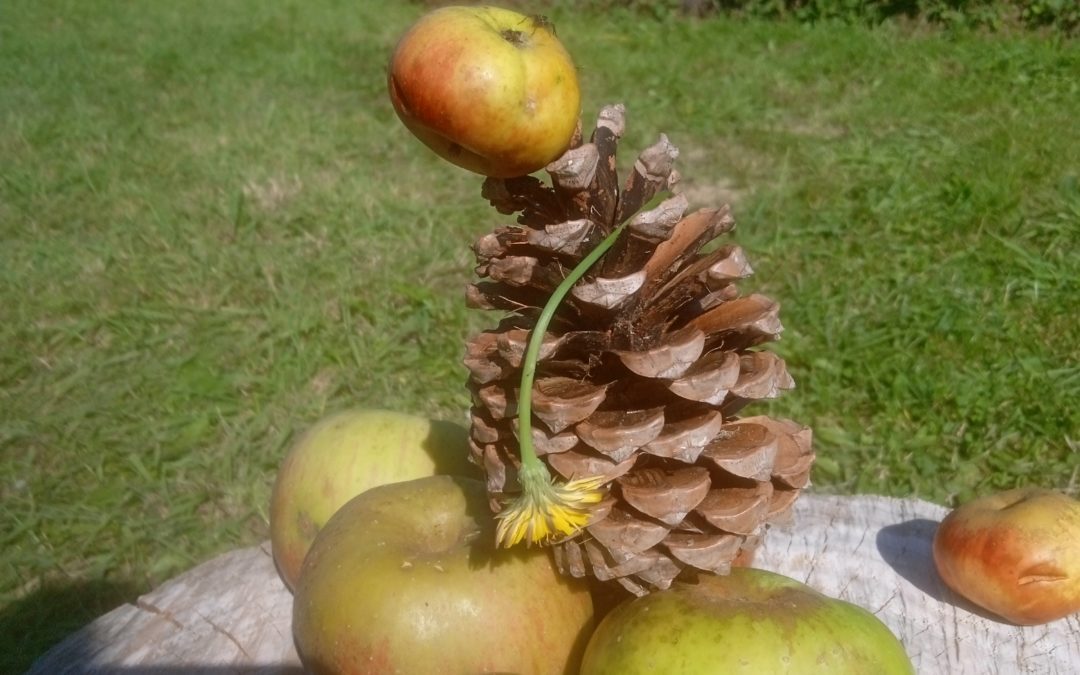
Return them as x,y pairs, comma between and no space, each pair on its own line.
214,231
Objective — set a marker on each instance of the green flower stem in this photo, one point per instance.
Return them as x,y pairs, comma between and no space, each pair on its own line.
532,467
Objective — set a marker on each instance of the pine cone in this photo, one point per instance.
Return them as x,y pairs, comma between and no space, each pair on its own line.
643,369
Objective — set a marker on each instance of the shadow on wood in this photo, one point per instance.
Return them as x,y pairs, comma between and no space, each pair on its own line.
233,614
47,615
877,552
907,548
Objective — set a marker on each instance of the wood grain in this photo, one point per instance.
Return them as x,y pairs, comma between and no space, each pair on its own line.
232,614
875,552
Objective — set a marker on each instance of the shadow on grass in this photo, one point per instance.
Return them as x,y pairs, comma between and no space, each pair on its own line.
33,624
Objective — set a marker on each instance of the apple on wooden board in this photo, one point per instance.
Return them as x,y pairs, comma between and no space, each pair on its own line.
406,578
1015,553
486,88
344,454
750,621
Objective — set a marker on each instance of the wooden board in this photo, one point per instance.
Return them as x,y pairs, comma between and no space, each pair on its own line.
232,614
875,552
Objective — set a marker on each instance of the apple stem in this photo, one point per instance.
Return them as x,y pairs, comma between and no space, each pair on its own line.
532,353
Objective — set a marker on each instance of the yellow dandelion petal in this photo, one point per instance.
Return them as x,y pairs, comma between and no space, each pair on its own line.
502,527
540,530
512,526
582,490
587,483
560,520
569,522
581,518
544,511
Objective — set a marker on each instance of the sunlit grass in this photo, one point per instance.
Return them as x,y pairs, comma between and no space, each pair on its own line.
215,231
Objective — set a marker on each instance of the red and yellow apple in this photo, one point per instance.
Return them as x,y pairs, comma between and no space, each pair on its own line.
344,454
486,88
1015,553
750,621
406,578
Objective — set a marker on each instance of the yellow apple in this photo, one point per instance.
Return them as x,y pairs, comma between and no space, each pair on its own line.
1015,553
486,88
406,578
344,454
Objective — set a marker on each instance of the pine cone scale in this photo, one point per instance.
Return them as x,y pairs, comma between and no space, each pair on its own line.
642,371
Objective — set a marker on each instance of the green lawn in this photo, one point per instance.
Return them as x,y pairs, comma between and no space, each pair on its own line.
214,230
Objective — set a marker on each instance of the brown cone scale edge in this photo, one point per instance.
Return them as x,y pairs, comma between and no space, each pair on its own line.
643,370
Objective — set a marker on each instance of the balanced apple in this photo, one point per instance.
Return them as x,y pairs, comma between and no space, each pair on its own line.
486,88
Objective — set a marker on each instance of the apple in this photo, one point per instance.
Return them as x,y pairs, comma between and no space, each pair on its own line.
406,578
486,88
344,454
750,621
1015,553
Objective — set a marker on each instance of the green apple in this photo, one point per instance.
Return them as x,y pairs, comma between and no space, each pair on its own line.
1015,553
486,88
344,454
750,621
406,578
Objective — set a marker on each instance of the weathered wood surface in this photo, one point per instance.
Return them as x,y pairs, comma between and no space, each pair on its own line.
875,552
232,614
